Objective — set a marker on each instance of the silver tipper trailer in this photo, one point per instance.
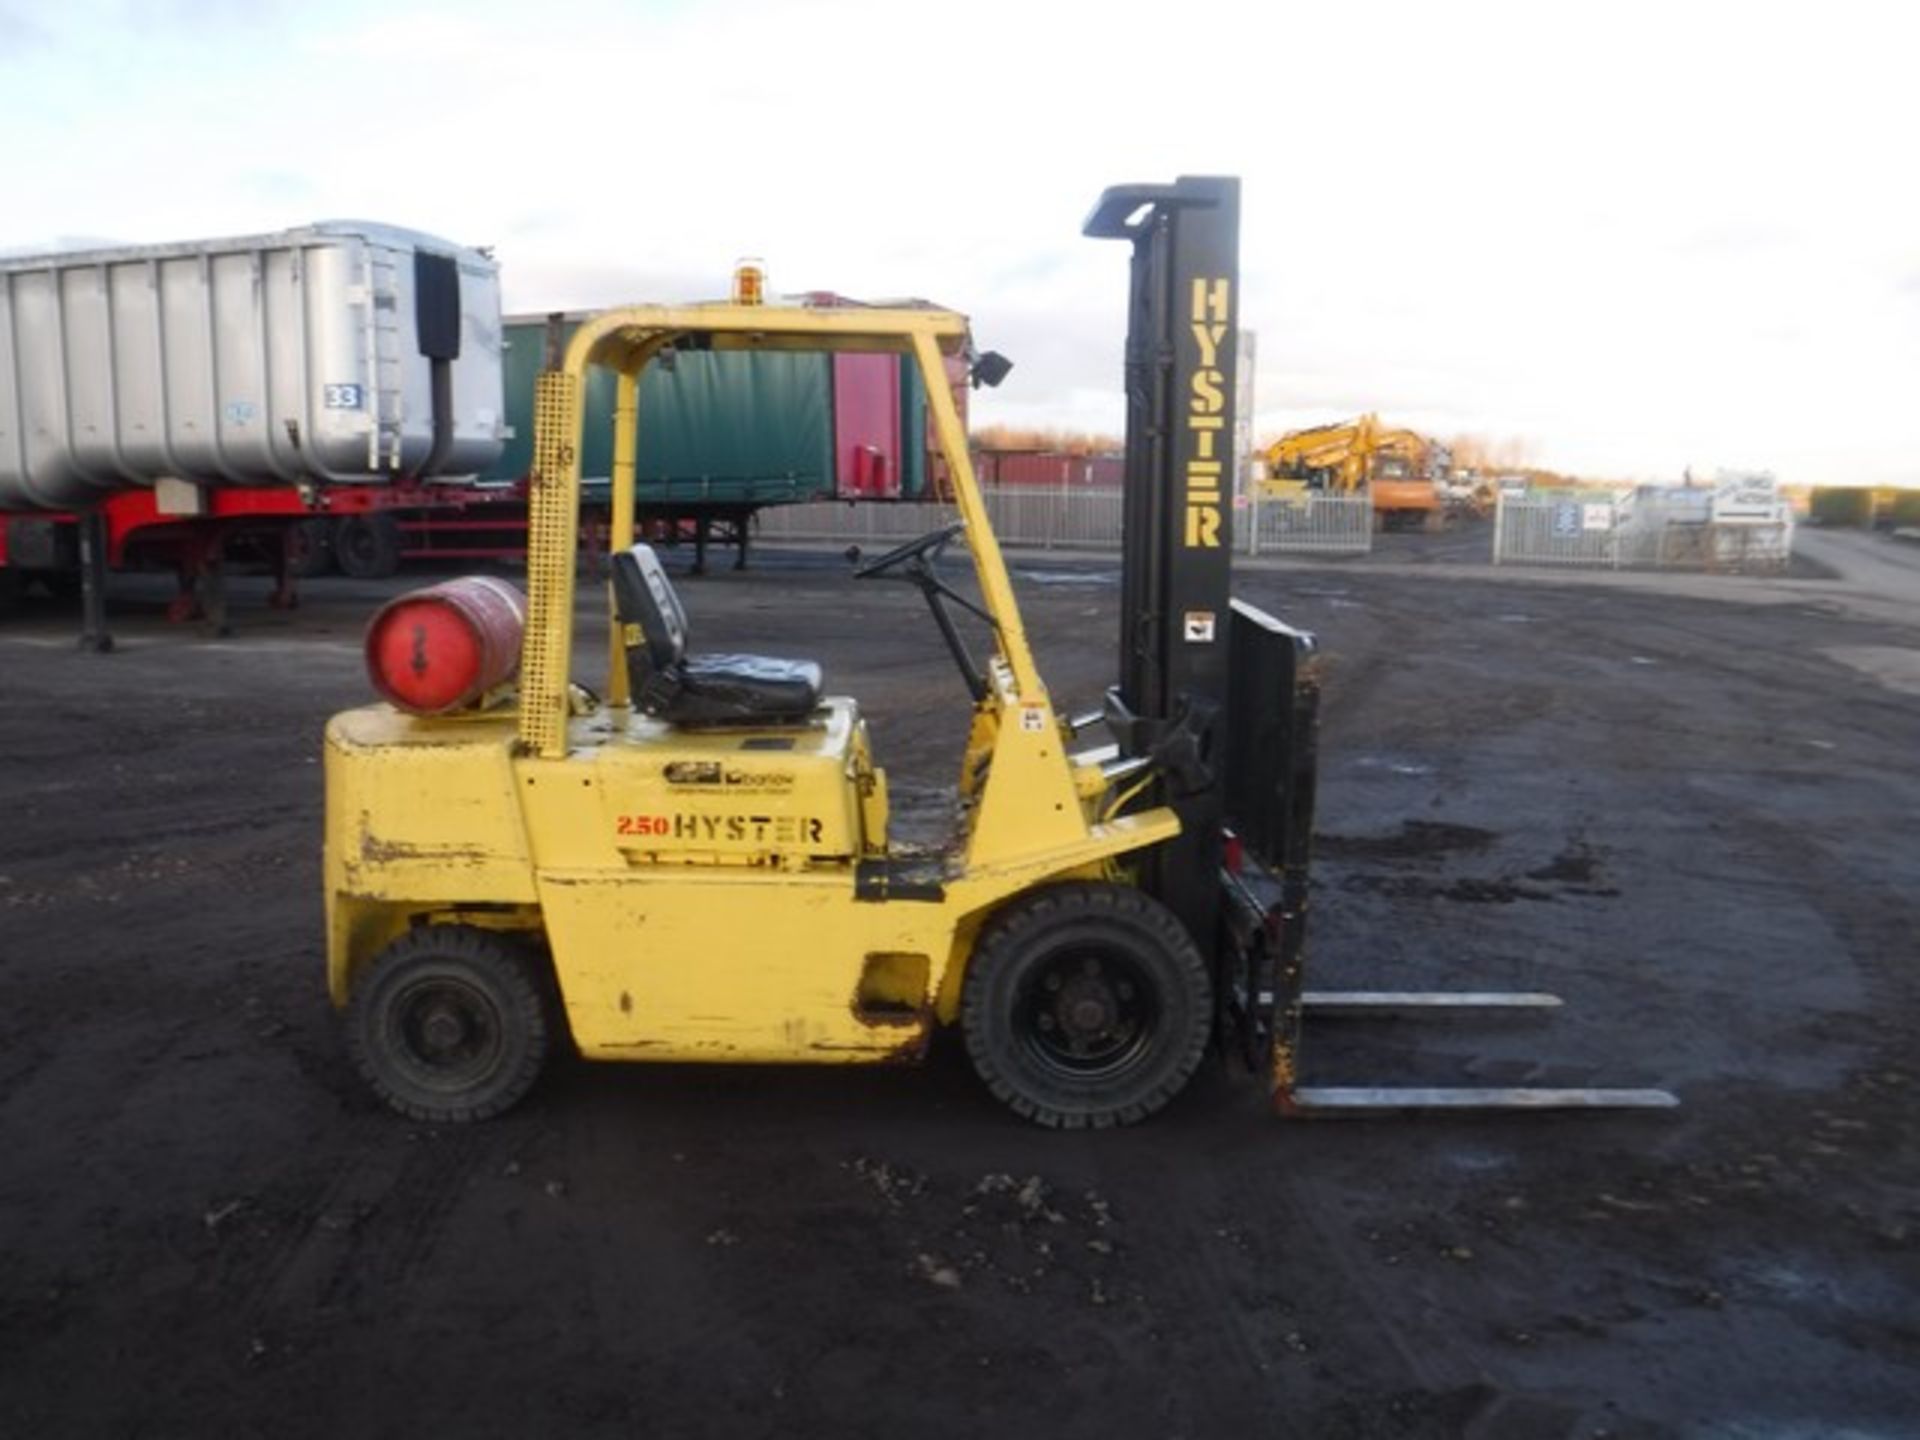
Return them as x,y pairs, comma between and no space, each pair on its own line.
342,352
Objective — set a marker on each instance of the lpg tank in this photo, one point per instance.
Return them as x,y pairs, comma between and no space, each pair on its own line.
344,352
434,651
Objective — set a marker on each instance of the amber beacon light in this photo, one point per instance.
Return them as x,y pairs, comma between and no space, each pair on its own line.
750,282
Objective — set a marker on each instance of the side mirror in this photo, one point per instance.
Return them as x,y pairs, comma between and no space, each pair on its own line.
989,369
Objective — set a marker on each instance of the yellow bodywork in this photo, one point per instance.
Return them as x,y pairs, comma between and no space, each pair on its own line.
710,894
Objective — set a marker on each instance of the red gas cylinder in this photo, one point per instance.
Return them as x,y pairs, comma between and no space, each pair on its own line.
442,648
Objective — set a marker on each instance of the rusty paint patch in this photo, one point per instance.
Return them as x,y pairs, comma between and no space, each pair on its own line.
375,851
877,1015
908,1052
626,1003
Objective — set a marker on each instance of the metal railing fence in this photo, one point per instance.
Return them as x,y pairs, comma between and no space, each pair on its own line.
1085,518
1613,534
1309,525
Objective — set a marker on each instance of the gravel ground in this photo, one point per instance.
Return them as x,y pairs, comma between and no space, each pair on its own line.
1686,804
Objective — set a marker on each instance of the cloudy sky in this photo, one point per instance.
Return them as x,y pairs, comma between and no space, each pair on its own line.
1639,237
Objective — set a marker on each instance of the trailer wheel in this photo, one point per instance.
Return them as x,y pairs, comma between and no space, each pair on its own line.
1086,1006
451,1024
309,545
367,547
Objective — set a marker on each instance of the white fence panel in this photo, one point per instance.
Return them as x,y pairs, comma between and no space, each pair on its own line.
1546,530
1308,525
1535,530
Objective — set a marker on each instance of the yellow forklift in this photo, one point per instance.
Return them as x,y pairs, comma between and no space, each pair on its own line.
697,866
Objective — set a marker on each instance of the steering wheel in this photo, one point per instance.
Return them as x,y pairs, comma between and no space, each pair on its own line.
932,543
917,555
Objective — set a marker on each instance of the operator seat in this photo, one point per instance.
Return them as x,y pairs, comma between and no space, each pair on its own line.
688,690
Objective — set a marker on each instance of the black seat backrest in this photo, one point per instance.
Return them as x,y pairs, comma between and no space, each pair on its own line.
644,596
668,684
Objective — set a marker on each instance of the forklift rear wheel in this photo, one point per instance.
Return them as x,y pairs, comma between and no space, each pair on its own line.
1086,1006
450,1024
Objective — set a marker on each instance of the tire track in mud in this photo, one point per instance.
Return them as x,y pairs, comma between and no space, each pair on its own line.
1191,1280
681,1276
369,1230
1218,1277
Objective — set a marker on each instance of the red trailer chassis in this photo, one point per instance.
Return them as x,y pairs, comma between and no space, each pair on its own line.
364,531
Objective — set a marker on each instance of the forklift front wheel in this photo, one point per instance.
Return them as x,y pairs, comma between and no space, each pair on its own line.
1086,1006
450,1024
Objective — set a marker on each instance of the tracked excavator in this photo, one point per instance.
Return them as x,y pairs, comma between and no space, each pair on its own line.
1360,456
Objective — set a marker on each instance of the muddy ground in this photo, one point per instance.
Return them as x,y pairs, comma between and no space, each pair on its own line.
1689,808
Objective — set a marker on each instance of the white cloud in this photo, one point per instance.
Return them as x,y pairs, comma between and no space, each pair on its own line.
1643,236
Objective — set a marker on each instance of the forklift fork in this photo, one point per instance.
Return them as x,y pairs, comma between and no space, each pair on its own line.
1271,763
1291,1098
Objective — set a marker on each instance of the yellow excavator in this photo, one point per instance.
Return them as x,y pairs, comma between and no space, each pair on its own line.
1357,456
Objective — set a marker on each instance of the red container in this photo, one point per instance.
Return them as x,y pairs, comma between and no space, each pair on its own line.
1050,470
440,649
866,426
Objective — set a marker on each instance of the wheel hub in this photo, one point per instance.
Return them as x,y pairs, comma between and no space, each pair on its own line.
443,1029
448,1028
1086,1012
1086,1008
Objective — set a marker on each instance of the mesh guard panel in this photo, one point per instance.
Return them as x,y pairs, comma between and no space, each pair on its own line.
553,527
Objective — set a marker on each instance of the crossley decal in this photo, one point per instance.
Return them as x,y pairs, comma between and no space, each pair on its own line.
1206,416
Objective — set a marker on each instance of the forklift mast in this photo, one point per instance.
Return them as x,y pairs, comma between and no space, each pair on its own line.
1171,702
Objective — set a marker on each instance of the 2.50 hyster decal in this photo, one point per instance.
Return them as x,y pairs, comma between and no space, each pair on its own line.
760,829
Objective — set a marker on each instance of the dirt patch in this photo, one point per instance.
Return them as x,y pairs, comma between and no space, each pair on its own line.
1896,667
1490,892
1467,890
1415,839
1575,866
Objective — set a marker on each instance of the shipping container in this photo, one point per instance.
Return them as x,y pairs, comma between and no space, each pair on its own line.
341,352
870,415
716,428
756,429
1029,469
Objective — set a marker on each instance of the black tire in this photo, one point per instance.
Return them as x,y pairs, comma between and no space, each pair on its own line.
367,547
450,1024
1086,1006
309,545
